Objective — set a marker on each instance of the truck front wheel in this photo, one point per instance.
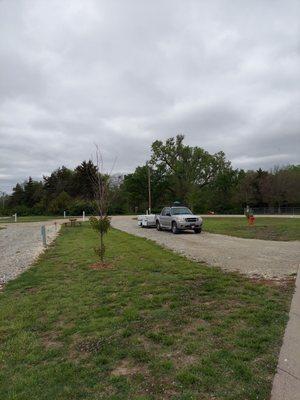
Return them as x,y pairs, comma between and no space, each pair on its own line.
174,227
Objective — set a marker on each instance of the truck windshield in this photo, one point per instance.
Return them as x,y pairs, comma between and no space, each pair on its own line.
180,210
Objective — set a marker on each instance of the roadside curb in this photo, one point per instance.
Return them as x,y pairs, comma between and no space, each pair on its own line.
286,384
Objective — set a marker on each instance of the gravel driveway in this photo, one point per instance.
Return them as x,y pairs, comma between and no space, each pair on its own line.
20,244
248,256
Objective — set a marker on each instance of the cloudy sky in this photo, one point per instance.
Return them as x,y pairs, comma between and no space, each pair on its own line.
124,73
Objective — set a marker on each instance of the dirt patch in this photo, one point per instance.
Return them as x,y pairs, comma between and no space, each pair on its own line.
126,368
184,360
61,323
148,344
32,290
282,282
50,341
181,360
194,326
100,265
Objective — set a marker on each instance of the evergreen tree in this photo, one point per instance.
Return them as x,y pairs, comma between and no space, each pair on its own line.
84,175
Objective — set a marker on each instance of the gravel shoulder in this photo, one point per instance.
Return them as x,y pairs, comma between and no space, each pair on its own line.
21,244
252,257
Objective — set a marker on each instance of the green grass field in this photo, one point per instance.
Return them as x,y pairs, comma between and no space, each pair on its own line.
30,218
264,228
151,325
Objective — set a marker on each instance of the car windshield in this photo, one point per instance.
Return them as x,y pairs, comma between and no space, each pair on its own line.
180,211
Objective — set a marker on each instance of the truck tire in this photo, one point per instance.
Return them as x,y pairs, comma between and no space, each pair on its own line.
197,230
158,227
174,228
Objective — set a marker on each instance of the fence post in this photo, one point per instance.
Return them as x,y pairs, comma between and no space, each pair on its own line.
83,216
16,217
43,233
64,214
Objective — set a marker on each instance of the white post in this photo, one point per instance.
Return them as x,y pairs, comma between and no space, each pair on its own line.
16,217
83,216
43,233
64,214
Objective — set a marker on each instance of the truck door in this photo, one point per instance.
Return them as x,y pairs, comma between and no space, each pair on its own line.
162,218
168,218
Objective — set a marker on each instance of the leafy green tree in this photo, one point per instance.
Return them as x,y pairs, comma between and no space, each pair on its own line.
223,190
61,203
135,187
186,169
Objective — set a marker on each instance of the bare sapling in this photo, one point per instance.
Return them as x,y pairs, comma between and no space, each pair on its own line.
101,222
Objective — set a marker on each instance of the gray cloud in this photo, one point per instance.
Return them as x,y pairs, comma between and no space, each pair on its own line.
122,74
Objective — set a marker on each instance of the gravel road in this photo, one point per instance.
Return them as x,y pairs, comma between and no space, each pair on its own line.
20,244
249,256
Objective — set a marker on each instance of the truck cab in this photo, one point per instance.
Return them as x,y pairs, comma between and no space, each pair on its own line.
178,218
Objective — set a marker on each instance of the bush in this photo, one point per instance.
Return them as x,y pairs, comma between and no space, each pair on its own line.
78,206
61,203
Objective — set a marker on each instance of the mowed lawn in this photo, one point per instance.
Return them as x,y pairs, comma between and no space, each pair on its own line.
151,325
267,228
30,218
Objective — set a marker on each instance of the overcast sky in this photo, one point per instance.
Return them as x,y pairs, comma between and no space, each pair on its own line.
123,73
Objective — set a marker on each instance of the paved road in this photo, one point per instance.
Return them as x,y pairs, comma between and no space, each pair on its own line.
286,385
248,256
20,244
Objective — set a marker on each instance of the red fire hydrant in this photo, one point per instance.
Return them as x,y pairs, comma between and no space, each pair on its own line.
251,220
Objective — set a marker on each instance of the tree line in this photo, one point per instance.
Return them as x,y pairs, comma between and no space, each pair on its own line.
178,172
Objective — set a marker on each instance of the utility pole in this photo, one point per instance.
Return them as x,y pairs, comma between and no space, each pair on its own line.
3,198
149,189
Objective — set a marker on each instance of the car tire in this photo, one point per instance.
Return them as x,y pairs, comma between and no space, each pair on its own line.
174,228
158,227
197,230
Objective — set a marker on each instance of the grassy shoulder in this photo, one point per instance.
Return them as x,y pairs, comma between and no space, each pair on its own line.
153,325
30,218
264,228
